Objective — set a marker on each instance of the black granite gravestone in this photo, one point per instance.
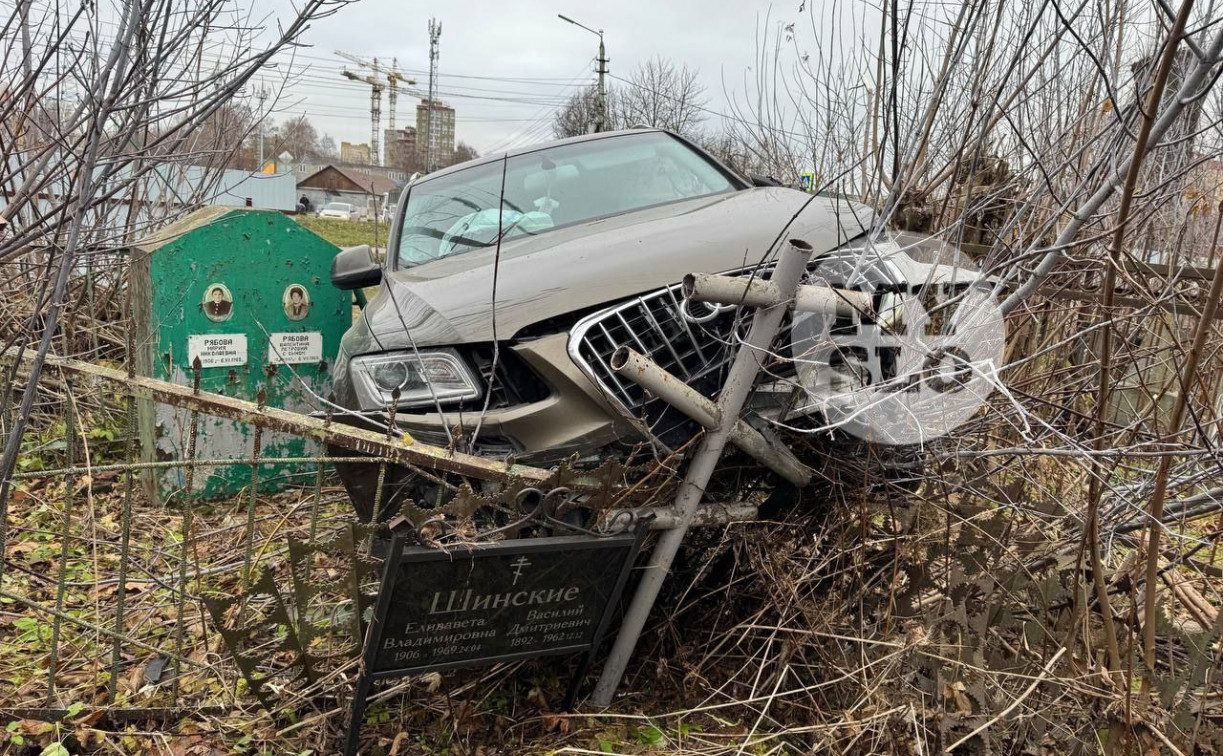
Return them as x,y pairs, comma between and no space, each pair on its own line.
480,604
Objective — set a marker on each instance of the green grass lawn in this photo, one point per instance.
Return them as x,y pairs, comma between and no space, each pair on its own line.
344,233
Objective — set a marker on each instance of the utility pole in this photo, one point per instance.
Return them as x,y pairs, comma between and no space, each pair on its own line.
602,71
393,80
262,95
602,118
431,141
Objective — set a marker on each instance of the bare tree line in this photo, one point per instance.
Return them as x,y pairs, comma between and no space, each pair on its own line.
659,94
1073,150
102,115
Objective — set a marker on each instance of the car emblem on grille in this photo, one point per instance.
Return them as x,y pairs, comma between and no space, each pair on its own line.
711,311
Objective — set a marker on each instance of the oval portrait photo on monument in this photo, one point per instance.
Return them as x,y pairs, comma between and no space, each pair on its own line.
218,303
296,302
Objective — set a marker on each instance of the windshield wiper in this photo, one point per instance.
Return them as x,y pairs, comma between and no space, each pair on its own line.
434,233
478,209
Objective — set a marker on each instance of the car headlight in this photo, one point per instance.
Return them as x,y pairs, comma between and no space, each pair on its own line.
422,378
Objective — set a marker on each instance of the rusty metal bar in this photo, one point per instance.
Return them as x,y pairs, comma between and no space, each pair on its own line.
791,265
253,499
125,538
180,626
380,488
400,450
167,464
1192,272
316,503
96,628
648,375
746,291
711,514
1177,304
61,578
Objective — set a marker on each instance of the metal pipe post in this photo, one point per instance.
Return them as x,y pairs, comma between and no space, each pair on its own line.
766,449
752,292
791,265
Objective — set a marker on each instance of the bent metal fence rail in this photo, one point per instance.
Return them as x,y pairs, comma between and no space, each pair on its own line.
120,607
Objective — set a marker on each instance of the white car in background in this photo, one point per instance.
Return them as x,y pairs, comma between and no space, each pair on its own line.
341,210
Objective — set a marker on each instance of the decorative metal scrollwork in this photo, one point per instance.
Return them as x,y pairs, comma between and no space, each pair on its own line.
518,509
521,512
317,619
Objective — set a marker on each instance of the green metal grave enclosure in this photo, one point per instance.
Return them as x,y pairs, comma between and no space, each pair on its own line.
247,293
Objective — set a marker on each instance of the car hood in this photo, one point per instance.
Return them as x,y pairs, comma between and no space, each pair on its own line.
566,270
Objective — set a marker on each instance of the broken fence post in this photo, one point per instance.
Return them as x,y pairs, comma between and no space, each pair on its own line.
767,450
747,291
791,265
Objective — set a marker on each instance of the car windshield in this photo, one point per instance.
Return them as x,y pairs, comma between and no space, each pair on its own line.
343,206
551,188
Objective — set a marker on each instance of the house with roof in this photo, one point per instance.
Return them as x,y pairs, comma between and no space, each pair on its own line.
369,192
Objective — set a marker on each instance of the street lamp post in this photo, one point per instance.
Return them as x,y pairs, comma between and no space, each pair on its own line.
601,124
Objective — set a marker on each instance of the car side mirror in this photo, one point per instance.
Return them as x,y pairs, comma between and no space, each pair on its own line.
355,268
760,180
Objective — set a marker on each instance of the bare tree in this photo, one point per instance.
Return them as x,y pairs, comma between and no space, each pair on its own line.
658,94
1067,147
1051,585
227,137
732,150
298,137
662,95
326,148
580,113
464,152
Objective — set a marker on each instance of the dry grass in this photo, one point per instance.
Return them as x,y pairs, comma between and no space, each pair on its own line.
344,233
884,623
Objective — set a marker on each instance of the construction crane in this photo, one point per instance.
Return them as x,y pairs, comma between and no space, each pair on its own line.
375,112
393,80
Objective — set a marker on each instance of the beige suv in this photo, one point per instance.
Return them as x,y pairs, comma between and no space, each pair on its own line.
511,280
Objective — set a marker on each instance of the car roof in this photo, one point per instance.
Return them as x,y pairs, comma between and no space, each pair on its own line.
497,157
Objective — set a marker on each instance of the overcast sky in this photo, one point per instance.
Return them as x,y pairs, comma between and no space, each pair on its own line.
521,40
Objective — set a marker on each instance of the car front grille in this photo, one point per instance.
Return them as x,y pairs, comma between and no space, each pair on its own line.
696,349
692,348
